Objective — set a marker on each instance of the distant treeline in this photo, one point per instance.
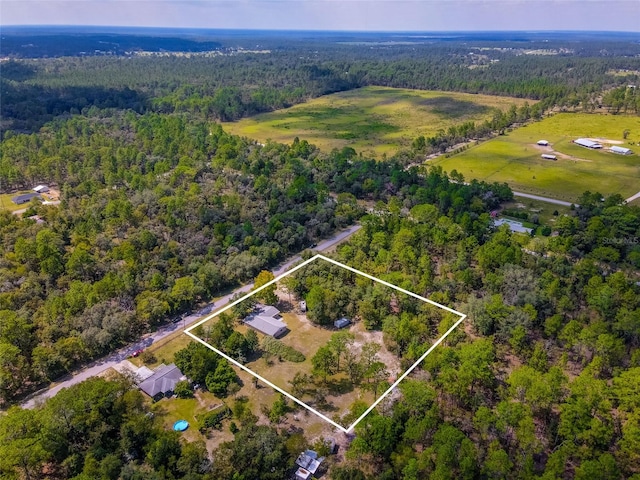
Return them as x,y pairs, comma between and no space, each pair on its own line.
229,87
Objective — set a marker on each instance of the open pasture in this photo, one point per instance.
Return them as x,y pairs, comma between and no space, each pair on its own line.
515,158
372,120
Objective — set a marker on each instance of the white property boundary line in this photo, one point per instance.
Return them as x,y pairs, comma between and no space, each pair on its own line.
288,395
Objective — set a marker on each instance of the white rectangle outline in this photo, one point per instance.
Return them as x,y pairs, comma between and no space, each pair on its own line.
288,395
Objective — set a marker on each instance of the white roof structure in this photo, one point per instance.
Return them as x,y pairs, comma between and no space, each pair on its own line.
513,225
308,462
548,156
41,189
543,142
621,150
264,319
585,142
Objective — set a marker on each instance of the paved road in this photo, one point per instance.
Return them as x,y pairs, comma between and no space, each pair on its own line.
633,197
544,199
99,366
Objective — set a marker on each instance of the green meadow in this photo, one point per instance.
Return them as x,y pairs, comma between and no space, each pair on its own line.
516,159
372,120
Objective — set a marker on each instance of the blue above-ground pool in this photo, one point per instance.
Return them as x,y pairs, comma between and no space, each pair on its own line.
181,425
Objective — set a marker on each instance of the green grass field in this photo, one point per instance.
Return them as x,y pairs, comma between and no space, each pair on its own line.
515,158
372,120
7,204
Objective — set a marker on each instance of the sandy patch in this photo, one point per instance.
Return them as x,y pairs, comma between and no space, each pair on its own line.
606,140
564,156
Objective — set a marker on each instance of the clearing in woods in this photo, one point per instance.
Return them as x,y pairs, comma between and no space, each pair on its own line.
515,157
365,369
372,120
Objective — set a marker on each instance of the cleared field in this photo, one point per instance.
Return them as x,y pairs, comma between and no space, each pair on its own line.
7,204
372,120
515,158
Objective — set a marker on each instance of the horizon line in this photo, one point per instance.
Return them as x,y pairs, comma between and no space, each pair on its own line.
313,30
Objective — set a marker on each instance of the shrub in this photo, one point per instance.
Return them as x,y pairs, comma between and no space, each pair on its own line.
213,418
183,389
285,352
147,357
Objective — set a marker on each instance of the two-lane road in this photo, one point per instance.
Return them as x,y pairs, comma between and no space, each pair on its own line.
99,366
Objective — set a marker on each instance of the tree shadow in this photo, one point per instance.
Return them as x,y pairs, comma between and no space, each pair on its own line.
340,387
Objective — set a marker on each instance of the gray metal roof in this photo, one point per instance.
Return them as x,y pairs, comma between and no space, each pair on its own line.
163,380
267,325
18,199
617,149
585,142
268,311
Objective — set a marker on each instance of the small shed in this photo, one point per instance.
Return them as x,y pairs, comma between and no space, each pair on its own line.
41,189
341,322
303,306
24,198
543,143
621,150
547,156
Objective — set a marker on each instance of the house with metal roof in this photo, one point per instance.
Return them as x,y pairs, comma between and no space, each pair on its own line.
25,198
266,320
621,150
162,382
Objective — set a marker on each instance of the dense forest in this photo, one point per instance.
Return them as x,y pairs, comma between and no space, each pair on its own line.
541,383
162,210
291,70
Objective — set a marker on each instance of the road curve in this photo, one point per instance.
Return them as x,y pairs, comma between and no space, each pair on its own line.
98,366
544,199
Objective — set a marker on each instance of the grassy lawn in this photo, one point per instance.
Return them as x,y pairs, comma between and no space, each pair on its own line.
514,158
543,210
7,204
164,350
308,338
170,410
372,120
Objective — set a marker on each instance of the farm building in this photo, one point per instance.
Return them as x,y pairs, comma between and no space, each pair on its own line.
543,143
585,142
621,150
162,382
41,189
341,322
20,199
547,156
266,320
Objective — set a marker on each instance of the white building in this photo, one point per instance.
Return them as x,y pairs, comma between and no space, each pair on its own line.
621,150
41,189
543,143
547,156
585,142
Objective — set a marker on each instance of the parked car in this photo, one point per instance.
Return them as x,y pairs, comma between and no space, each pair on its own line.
137,352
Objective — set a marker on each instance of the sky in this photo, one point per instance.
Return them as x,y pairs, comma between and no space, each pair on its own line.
353,15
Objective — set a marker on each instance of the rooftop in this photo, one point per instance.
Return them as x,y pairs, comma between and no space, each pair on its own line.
162,381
